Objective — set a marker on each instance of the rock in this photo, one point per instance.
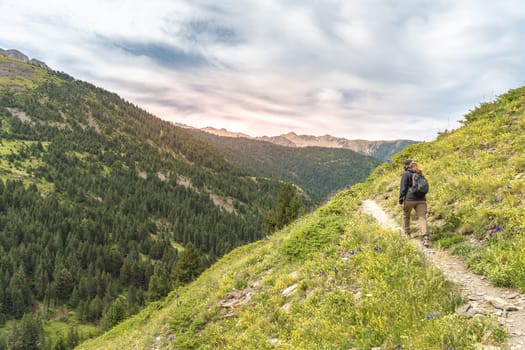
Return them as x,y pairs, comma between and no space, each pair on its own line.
462,310
273,341
38,63
17,55
513,296
501,304
287,306
289,291
235,298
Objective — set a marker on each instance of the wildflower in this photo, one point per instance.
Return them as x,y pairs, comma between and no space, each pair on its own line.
380,172
266,238
359,250
495,200
376,248
390,162
433,315
498,228
322,273
335,270
352,252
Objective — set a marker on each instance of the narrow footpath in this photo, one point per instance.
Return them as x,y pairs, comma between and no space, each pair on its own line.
506,304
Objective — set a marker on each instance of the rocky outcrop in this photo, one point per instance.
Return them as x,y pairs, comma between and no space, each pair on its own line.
38,63
19,56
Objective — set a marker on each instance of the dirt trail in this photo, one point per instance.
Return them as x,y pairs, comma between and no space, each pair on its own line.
507,304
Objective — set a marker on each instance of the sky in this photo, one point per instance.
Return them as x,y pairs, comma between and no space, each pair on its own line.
375,69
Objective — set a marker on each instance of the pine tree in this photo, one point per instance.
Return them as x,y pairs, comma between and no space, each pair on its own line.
188,266
286,209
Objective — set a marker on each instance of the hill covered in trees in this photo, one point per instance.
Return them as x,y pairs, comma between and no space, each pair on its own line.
336,279
103,206
319,171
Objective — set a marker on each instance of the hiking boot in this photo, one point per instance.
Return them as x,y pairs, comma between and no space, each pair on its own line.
426,242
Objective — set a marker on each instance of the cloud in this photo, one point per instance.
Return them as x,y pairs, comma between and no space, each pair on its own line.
165,55
375,69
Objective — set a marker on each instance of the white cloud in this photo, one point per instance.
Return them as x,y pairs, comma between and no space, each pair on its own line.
362,69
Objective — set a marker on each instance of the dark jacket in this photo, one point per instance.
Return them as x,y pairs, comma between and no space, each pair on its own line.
406,183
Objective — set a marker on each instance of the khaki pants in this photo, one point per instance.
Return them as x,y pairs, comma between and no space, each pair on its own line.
421,211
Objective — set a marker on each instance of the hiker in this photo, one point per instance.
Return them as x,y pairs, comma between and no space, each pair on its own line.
411,199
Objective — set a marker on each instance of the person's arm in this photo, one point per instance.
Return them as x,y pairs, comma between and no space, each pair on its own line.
403,187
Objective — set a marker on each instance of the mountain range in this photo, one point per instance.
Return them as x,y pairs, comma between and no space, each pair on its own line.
108,216
378,149
102,204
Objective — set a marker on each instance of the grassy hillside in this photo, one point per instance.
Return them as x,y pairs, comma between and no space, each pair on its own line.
319,171
335,280
95,194
477,197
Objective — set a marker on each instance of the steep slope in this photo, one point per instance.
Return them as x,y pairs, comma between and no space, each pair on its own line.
477,178
319,171
335,279
96,195
332,280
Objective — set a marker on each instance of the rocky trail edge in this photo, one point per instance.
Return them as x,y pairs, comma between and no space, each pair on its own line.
483,298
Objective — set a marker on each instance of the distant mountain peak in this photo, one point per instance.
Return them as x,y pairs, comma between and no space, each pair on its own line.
378,149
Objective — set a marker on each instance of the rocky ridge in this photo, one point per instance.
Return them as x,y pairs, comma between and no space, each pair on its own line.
20,56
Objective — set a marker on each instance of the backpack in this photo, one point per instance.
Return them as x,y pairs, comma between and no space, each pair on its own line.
419,185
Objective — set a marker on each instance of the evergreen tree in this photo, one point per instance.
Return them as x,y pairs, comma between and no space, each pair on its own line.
188,266
159,283
286,209
27,334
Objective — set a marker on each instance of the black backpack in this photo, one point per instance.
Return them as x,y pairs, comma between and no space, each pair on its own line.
419,185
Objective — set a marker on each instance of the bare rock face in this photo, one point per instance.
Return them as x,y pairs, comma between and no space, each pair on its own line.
38,63
17,55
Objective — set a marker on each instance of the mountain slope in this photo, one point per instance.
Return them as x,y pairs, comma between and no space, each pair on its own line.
378,149
477,179
97,196
318,171
335,279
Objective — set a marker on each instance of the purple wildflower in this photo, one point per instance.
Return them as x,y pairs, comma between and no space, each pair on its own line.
321,273
335,270
498,228
376,248
495,200
352,252
359,250
433,315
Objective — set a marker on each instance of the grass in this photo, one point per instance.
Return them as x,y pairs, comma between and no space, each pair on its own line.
356,284
20,169
477,178
20,75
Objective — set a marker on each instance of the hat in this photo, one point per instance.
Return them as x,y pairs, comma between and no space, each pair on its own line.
407,162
